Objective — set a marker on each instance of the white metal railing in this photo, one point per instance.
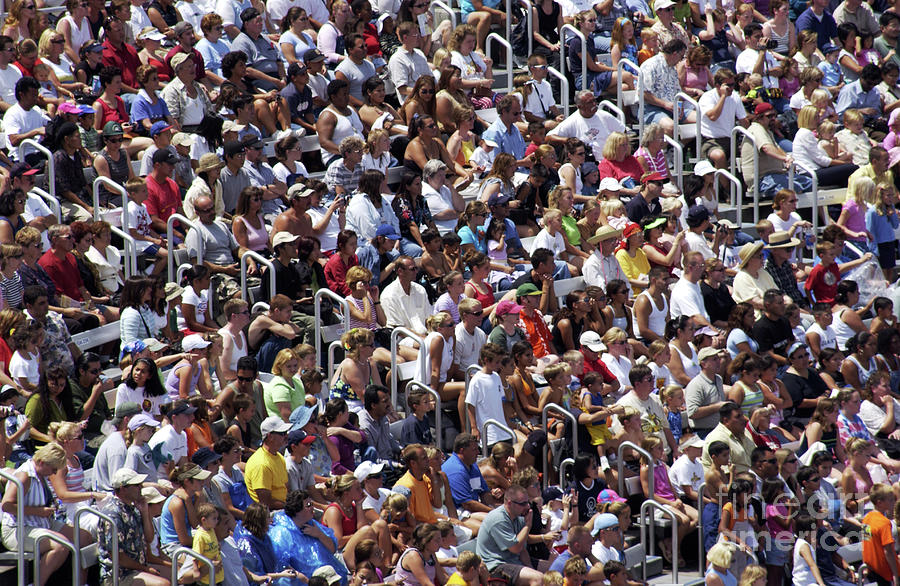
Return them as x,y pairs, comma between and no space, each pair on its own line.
110,186
509,56
639,83
676,118
260,259
191,553
438,413
423,368
646,522
563,88
439,5
9,475
561,411
45,535
317,306
50,200
562,52
620,463
562,470
815,189
612,109
51,166
484,429
678,159
700,504
114,533
508,24
752,183
170,244
736,197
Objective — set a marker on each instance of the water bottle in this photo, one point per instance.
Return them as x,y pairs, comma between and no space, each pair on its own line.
810,239
59,511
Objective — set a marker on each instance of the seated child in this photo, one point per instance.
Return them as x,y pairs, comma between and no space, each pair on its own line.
614,211
483,156
649,45
468,571
590,177
834,76
829,143
148,242
853,138
538,135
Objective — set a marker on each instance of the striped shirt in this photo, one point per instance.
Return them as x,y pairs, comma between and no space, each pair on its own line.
12,290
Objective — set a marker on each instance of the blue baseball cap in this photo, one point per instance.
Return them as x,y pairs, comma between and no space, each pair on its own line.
388,232
159,127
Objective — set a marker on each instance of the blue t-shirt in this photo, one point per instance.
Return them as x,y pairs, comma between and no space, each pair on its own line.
478,240
832,73
574,48
212,53
142,109
467,8
466,484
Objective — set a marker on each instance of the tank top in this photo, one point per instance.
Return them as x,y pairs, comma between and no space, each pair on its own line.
829,438
358,323
842,332
239,350
864,373
117,114
657,319
802,574
257,238
345,126
661,485
696,78
577,328
486,299
656,164
118,172
348,524
783,40
404,576
548,23
691,364
753,398
38,495
579,185
167,533
173,381
727,578
425,357
81,33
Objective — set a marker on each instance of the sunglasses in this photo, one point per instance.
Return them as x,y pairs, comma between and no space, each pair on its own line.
114,140
204,210
246,379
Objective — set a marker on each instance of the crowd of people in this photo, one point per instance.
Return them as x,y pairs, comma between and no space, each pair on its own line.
737,376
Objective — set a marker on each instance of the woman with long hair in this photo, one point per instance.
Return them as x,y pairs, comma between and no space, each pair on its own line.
345,517
847,320
780,29
12,207
620,164
856,481
425,145
358,370
477,287
193,313
806,150
830,360
151,52
420,102
436,353
860,363
112,162
470,228
822,427
477,74
570,172
368,210
52,402
68,481
374,107
659,254
411,211
888,356
345,257
249,227
499,180
330,40
52,53
179,512
343,434
109,107
740,326
684,363
618,313
288,151
294,42
23,22
450,97
90,275
570,321
461,143
283,393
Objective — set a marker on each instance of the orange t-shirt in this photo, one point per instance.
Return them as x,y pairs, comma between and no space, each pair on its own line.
877,534
419,498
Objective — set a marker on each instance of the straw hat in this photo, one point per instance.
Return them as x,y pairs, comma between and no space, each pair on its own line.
208,162
748,251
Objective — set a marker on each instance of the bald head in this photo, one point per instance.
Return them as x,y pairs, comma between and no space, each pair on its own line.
205,209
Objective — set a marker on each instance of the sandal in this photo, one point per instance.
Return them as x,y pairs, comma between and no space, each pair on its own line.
665,550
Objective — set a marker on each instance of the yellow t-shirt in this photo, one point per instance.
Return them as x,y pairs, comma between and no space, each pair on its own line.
267,471
456,580
420,497
634,267
207,545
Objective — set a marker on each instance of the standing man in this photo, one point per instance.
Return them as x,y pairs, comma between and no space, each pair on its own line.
266,473
721,108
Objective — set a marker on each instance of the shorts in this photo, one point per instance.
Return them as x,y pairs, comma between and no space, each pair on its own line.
887,254
150,252
655,115
534,444
12,542
508,572
713,143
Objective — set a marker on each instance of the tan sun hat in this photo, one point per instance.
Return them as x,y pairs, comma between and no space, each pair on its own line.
208,162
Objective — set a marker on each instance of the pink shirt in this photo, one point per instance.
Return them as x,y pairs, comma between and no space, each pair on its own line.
856,217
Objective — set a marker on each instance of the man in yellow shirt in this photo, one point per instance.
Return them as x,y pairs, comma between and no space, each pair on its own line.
418,484
266,473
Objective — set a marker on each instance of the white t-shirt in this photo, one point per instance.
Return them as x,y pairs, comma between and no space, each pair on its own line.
686,473
24,365
150,405
328,238
827,336
873,415
697,242
139,219
540,100
686,299
653,416
200,303
732,109
605,554
556,244
468,347
370,502
747,60
593,131
660,372
484,394
439,201
171,442
8,79
18,121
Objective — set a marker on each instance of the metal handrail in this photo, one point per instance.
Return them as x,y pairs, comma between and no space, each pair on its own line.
170,242
438,5
20,522
614,109
130,261
317,299
701,566
438,415
191,553
111,186
471,371
395,337
652,504
639,84
562,51
509,58
736,187
529,16
679,157
260,259
751,182
492,423
683,97
43,535
51,201
76,521
560,410
815,190
562,470
51,165
563,88
620,464
508,23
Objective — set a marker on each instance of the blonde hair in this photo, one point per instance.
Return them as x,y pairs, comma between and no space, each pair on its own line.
751,574
819,96
553,214
614,335
610,206
582,17
556,194
356,275
857,445
853,115
648,444
862,191
671,391
396,503
880,492
553,579
353,340
51,454
720,555
434,321
374,136
808,117
880,208
826,127
283,357
439,57
63,431
554,370
612,144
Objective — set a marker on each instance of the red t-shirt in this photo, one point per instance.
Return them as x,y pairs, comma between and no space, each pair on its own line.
875,535
196,57
125,58
823,282
64,273
599,367
537,332
162,199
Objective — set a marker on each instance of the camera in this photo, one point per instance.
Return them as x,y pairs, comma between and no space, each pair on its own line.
771,44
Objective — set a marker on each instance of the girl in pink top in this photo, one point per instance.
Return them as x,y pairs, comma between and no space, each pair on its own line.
664,494
893,137
852,220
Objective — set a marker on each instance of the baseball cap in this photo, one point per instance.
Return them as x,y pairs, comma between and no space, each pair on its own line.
112,129
151,495
703,167
313,55
22,169
182,139
154,345
327,572
284,237
366,469
273,425
655,176
506,307
159,127
182,408
205,456
7,392
194,342
527,289
85,109
829,48
693,441
498,199
604,521
763,108
662,4
388,232
68,108
552,493
588,167
298,436
298,190
609,184
94,48
295,69
252,141
126,477
124,410
232,126
697,215
182,27
491,143
193,471
591,340
708,353
608,495
152,33
142,419
177,59
164,156
232,147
